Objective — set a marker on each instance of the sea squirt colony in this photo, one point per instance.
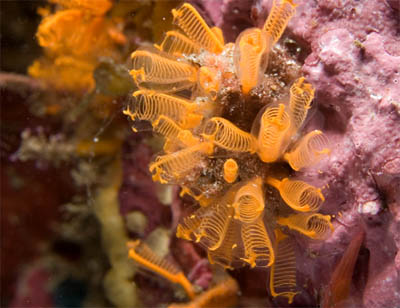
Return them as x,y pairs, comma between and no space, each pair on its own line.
183,84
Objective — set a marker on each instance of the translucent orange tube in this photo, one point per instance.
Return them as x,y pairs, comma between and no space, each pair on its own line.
194,26
309,151
143,255
251,57
157,72
257,244
278,18
230,170
226,135
283,272
249,201
272,137
299,195
313,225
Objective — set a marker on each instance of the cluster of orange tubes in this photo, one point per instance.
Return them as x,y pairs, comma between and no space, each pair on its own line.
231,224
74,37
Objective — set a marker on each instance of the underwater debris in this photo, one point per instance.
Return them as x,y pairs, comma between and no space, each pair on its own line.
42,148
57,149
237,224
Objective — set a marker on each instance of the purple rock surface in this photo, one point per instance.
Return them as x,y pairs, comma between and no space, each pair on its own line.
138,190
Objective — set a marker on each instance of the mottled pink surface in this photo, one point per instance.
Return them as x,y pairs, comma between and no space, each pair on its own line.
353,62
201,274
357,89
138,191
33,289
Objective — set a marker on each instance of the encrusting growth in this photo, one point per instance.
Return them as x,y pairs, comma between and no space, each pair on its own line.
226,151
74,38
100,7
209,81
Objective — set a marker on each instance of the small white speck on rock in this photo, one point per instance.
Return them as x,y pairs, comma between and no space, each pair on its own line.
369,207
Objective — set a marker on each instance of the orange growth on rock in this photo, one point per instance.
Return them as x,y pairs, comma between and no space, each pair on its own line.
73,39
210,102
95,7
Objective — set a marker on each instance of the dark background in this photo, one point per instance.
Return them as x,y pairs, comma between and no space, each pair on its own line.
19,21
